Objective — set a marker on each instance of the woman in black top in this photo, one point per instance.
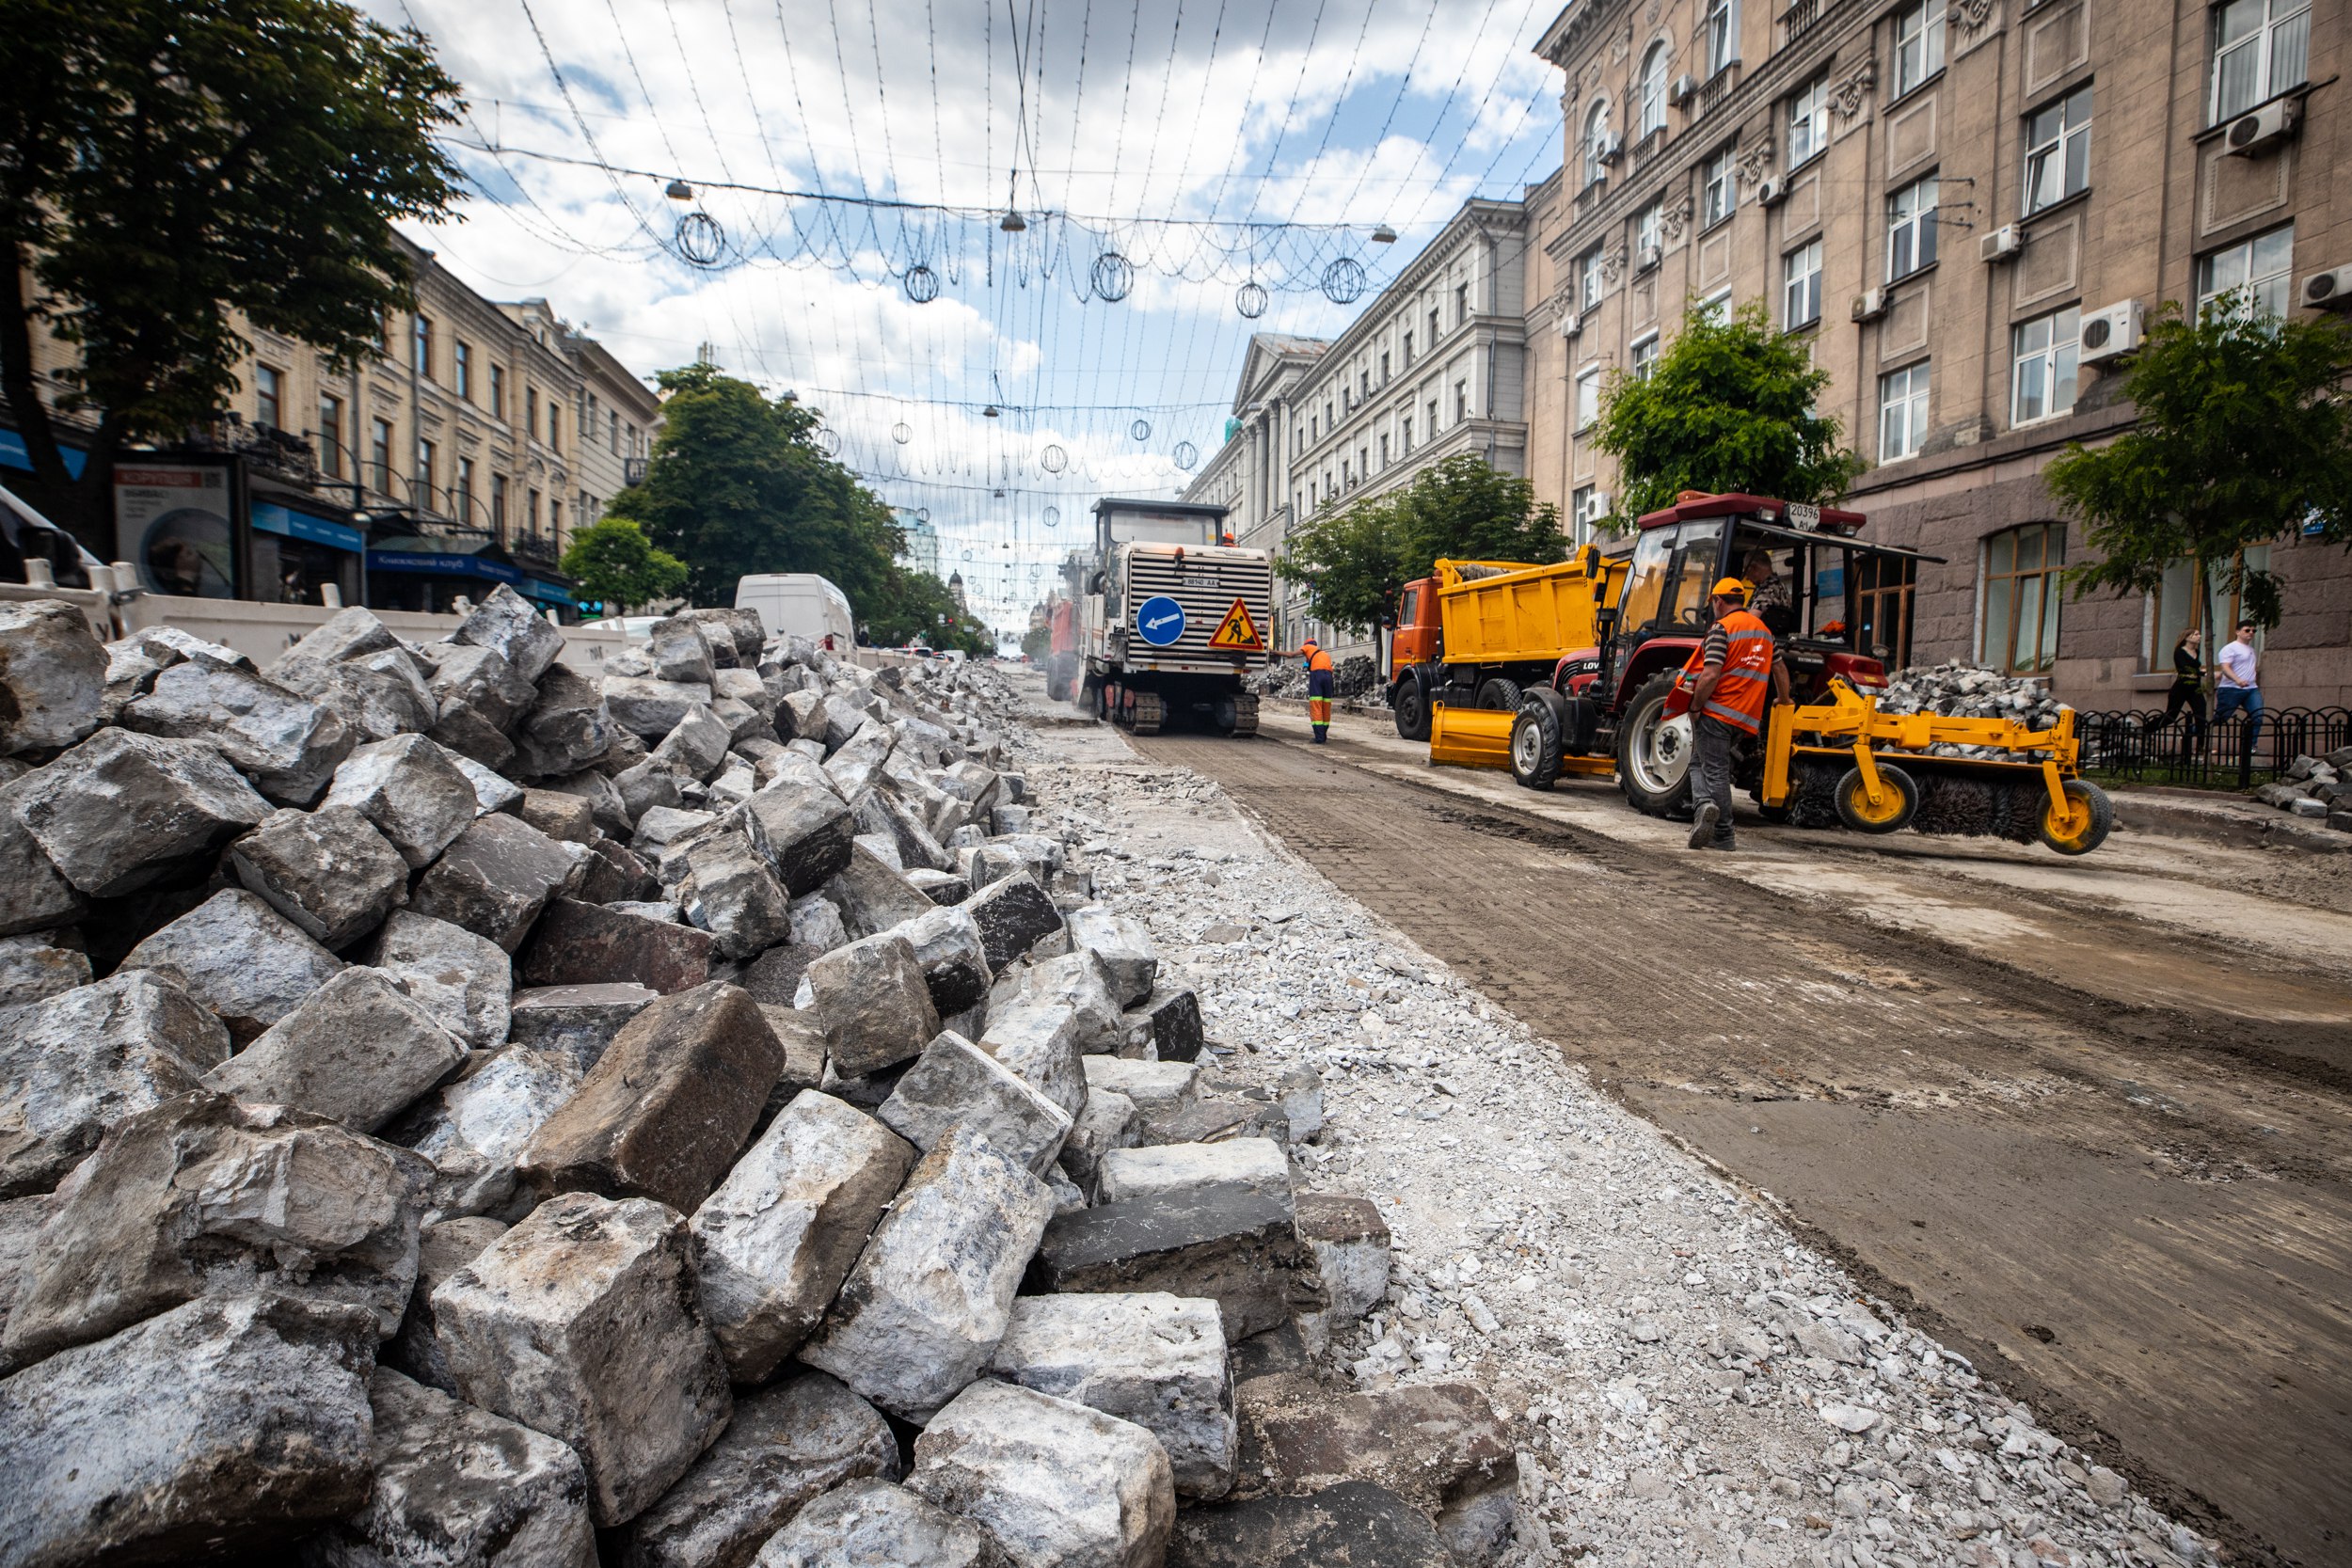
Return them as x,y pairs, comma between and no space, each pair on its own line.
2188,685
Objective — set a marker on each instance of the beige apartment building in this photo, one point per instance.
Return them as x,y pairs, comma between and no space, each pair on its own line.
1968,209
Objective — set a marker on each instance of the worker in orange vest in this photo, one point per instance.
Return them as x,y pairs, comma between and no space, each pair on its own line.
1730,675
1319,678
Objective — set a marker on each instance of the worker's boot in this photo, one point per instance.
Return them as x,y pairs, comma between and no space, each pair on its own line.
1703,825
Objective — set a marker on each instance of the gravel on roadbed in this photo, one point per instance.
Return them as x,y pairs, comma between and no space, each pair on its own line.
1687,1382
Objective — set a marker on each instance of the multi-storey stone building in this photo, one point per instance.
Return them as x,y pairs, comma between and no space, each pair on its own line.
1966,207
1434,366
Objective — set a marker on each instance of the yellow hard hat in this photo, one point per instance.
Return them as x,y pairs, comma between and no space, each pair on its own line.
1731,588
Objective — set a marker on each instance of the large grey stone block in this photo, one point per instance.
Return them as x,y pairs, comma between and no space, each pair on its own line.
225,1427
505,623
1156,1087
872,1523
930,1297
74,1065
1053,1481
1041,1044
652,708
874,1004
52,676
1354,1522
1108,1122
1124,945
414,792
475,1129
496,878
787,1445
1014,916
954,1084
481,682
581,945
356,1051
1235,1244
123,811
377,698
1169,1021
200,1196
353,632
780,1233
1351,1246
1149,1358
696,745
34,894
328,871
1256,1163
1077,981
443,1248
669,1104
559,816
35,967
955,960
576,1023
454,1484
581,1322
242,959
680,652
731,892
288,745
874,895
463,980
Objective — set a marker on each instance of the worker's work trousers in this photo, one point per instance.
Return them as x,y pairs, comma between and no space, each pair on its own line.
1710,769
1319,704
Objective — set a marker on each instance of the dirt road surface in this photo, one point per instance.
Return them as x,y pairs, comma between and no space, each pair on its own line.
2090,1119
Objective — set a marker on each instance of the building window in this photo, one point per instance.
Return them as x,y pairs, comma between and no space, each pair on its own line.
530,518
498,506
1884,588
554,409
1715,309
1716,33
531,410
612,438
2058,151
1644,356
1408,351
1461,302
1650,92
2261,48
1587,397
1911,228
380,455
1433,326
1433,419
1718,194
461,493
2043,354
2021,598
1647,226
1918,44
424,472
2252,276
497,392
1347,474
269,390
1364,388
555,521
1384,451
331,436
1588,280
461,368
1461,402
1902,411
1801,286
1597,144
424,347
1404,433
1580,514
1808,120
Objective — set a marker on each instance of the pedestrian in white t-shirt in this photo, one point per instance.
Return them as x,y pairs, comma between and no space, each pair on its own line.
2239,684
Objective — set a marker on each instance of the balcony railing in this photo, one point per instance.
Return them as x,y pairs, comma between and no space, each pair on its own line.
1796,19
1645,152
1718,87
536,549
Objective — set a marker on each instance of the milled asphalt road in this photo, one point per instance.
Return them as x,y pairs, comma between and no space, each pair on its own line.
2088,1139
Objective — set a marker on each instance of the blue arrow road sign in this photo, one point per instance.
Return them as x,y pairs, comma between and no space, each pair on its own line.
1160,618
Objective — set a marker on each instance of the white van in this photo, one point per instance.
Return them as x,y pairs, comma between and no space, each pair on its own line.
798,604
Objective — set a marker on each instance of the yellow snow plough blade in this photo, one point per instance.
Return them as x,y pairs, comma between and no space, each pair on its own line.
1470,736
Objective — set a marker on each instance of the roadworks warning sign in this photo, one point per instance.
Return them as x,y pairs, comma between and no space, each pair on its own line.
1237,633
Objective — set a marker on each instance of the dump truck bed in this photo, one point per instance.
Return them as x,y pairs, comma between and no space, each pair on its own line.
1530,615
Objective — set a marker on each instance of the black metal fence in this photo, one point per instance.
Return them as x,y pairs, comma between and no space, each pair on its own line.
2138,745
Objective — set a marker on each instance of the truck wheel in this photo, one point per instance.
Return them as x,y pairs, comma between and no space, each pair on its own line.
1409,702
1535,743
2093,816
1654,752
1500,695
1901,802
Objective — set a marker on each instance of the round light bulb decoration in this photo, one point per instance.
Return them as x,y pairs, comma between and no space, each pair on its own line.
1186,454
1114,275
922,284
1140,430
829,441
1053,517
700,240
1053,460
1343,281
922,514
1251,300
903,433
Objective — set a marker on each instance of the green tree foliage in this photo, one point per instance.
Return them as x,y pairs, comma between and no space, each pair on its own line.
615,562
738,486
2244,436
915,606
1727,407
1354,560
1037,645
167,162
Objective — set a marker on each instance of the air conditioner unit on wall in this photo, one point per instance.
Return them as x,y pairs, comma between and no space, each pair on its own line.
1685,86
1611,147
1598,506
1570,323
2002,244
1646,258
2272,122
2327,290
1870,307
2110,331
1770,192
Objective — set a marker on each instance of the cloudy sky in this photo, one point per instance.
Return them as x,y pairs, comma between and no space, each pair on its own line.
1209,143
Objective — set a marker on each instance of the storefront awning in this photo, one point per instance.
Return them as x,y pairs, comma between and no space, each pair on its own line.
548,592
270,517
15,455
446,557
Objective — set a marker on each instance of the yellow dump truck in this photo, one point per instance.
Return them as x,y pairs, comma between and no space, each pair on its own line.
1479,634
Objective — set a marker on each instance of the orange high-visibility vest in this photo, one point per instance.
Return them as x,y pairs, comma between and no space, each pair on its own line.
1740,696
1318,660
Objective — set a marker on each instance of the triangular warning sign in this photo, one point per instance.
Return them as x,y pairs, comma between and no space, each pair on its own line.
1237,632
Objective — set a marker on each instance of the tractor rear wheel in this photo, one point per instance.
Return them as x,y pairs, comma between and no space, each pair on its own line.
1535,741
2091,816
1654,753
1411,704
1897,802
1499,694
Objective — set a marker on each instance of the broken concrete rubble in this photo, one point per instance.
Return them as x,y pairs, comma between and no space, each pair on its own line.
462,980
288,745
496,878
874,1003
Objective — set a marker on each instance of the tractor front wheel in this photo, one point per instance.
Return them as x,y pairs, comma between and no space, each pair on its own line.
1535,741
1654,752
1897,801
